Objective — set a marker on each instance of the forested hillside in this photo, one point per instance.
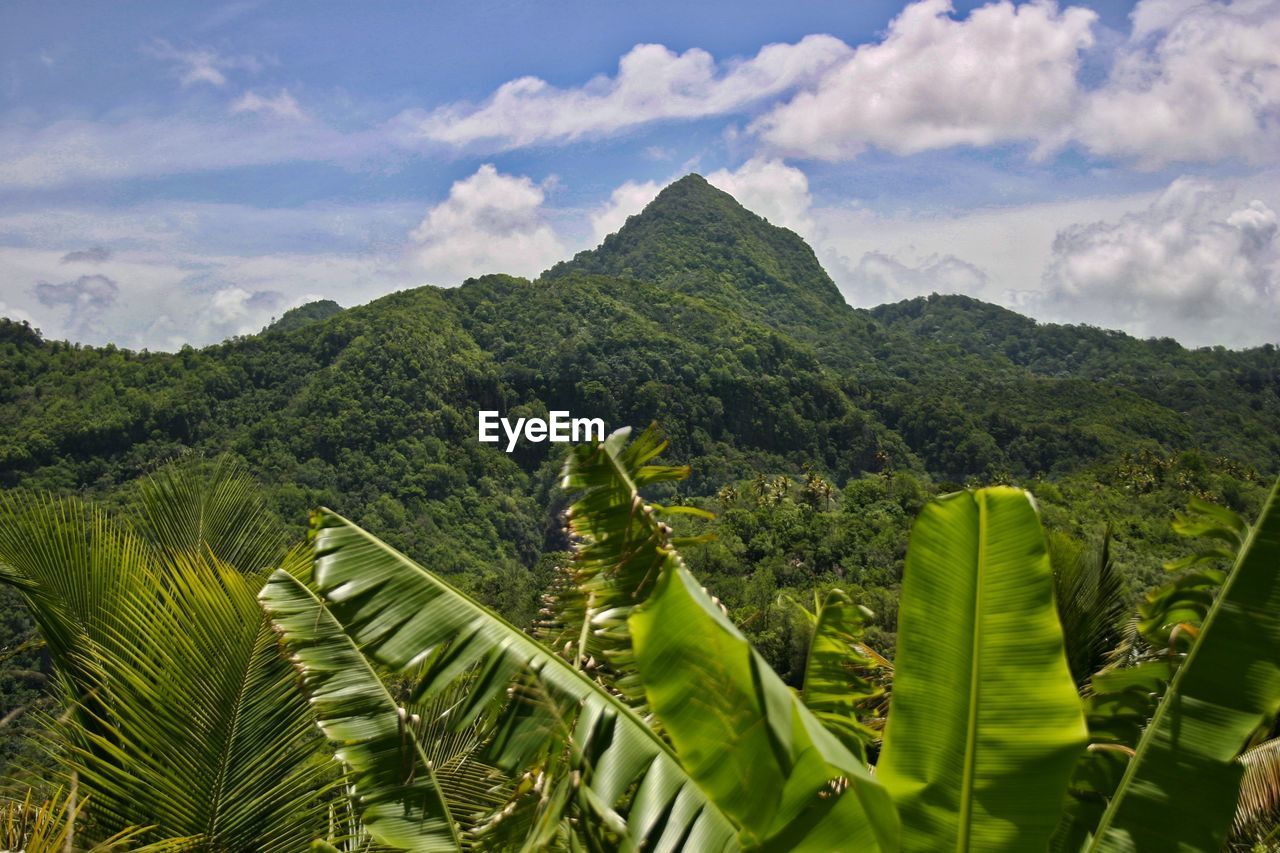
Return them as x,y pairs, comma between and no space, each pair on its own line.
791,407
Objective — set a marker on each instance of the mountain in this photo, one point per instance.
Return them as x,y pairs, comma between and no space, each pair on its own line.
698,314
701,240
697,239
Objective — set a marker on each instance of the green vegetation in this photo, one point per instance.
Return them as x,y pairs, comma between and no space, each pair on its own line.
296,318
655,725
372,410
817,434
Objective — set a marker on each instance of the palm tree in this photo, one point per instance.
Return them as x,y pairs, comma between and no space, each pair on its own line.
180,716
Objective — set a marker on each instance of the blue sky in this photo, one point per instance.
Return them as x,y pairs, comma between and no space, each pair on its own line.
175,173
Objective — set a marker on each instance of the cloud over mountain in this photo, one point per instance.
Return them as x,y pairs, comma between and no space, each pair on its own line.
1197,263
491,222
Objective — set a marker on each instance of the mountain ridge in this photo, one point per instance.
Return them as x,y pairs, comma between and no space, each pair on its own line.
372,410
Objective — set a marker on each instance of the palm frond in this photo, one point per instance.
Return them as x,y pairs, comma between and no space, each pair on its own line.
838,686
619,546
220,513
182,714
1089,594
49,826
1258,810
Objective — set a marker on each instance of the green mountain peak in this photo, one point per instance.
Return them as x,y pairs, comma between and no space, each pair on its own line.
700,240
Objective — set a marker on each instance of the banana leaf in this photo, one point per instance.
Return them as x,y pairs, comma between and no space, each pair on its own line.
1179,791
748,741
985,724
404,618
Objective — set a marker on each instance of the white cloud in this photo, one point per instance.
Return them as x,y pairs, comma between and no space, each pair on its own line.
652,83
283,105
626,200
1196,264
1010,245
490,222
769,187
1002,73
17,315
1195,81
878,278
162,301
84,301
201,64
233,305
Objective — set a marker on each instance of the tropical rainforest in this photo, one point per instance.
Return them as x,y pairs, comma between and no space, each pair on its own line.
273,594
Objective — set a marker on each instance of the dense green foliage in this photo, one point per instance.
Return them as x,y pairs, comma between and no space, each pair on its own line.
817,431
983,735
637,715
303,315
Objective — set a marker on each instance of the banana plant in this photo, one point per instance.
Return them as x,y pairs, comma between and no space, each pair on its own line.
985,724
618,554
784,780
1179,790
599,773
1130,692
652,723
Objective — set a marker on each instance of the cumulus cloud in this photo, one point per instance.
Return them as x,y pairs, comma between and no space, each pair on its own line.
201,64
879,277
626,200
491,222
1195,81
232,305
652,83
282,105
1196,264
769,187
91,255
84,299
1003,73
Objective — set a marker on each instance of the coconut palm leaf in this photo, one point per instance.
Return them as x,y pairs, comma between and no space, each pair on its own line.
182,714
1258,811
835,686
1089,592
49,826
213,509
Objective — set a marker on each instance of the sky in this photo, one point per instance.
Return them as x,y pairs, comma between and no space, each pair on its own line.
176,173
